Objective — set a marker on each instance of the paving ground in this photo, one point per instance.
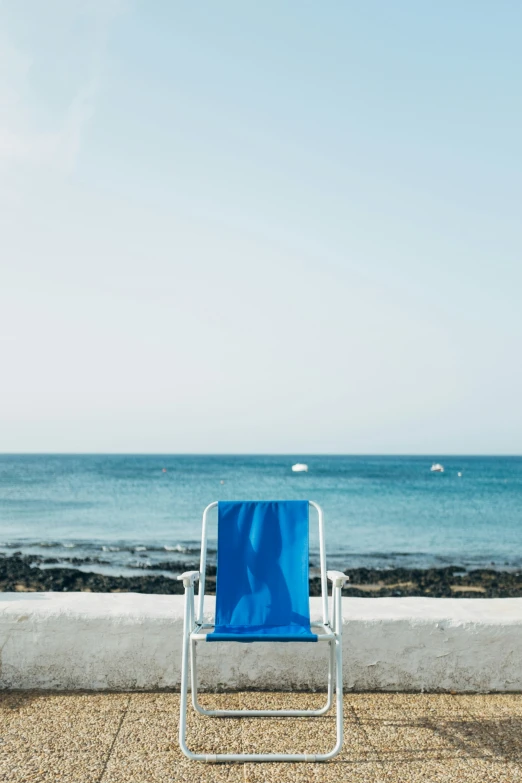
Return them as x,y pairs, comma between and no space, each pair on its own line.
118,738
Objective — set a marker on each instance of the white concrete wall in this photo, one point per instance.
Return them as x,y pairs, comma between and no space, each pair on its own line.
130,641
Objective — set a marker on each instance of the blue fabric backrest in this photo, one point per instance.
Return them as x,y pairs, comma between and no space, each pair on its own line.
262,567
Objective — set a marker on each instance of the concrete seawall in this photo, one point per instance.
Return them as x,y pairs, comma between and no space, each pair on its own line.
128,641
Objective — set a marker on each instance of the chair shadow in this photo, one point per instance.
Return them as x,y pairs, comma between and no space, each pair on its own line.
16,700
491,739
498,738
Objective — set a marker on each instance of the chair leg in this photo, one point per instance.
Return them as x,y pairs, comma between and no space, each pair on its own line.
331,672
339,697
184,679
338,671
194,676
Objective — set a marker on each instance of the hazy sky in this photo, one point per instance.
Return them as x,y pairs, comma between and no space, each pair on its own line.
261,227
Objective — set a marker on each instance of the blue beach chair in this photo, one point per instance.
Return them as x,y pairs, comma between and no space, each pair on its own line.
262,595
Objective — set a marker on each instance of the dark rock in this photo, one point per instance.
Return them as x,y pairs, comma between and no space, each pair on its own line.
20,572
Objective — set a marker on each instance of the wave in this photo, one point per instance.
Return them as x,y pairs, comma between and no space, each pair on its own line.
100,546
171,555
178,548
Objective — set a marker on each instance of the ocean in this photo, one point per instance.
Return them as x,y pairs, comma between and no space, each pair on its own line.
116,514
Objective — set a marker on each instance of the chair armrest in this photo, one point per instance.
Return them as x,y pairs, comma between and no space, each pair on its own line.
338,578
189,577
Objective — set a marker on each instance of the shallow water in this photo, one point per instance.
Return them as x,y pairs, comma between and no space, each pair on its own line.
132,512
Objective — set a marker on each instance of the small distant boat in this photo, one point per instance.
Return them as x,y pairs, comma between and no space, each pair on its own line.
437,468
300,467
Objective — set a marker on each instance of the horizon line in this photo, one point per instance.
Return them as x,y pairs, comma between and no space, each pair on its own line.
247,454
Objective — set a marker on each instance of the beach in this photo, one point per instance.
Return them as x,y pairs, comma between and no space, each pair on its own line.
24,573
108,523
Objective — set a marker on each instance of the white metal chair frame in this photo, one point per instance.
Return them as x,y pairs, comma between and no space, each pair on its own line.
195,629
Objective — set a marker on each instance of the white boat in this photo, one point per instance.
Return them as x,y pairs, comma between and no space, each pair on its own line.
437,468
300,467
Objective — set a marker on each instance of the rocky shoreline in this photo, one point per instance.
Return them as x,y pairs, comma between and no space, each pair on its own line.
21,573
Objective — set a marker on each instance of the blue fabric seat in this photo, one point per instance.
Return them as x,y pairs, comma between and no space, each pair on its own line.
262,587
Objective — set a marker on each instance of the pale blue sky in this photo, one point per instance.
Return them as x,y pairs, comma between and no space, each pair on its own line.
273,227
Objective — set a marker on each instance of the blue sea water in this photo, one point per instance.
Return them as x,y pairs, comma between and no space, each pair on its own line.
131,512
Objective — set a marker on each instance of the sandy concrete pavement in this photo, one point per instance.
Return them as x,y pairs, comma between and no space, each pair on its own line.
132,737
